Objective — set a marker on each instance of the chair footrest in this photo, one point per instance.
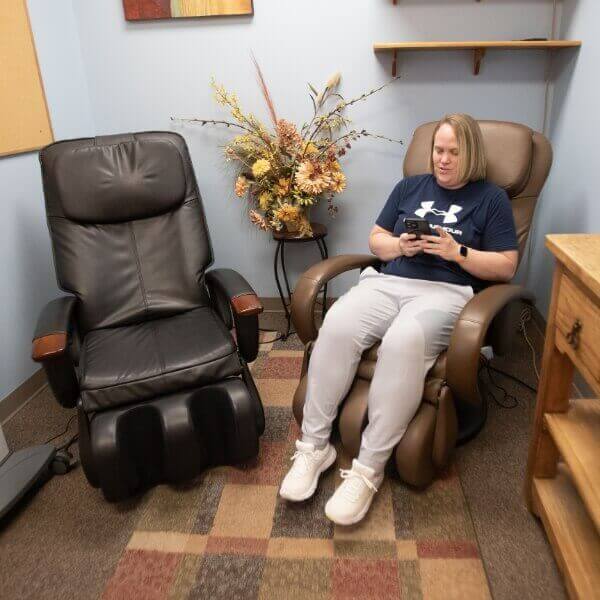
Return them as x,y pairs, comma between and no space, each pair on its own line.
170,439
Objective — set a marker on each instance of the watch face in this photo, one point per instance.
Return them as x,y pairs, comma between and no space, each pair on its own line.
463,251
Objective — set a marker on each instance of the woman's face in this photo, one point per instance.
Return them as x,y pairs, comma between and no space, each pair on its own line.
445,158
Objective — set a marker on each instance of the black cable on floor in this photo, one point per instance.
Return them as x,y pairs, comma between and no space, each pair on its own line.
74,438
508,400
516,379
62,432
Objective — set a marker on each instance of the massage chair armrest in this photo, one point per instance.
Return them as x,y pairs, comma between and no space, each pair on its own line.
51,341
312,280
237,305
469,334
55,322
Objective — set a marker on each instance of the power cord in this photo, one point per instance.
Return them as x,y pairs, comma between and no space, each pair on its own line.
62,432
508,400
526,316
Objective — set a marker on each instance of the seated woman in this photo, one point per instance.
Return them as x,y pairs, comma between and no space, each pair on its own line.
411,306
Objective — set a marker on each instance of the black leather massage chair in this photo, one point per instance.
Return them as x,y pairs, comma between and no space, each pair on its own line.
149,344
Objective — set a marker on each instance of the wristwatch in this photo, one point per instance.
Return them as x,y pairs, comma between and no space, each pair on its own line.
464,251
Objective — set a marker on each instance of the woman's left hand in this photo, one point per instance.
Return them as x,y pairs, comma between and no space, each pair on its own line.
444,245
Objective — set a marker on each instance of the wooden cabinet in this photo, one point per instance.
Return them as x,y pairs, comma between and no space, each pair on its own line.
563,472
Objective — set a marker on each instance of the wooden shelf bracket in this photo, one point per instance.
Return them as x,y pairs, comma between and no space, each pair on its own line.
478,54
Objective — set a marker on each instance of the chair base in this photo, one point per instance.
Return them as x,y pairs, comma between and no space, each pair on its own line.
471,420
170,439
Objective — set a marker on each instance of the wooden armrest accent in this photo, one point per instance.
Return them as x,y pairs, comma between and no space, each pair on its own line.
247,304
49,346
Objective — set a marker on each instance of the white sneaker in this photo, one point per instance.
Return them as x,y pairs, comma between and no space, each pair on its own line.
351,501
301,480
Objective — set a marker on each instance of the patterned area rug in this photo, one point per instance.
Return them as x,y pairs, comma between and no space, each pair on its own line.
229,535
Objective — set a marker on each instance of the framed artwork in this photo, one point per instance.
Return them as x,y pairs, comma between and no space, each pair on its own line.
141,10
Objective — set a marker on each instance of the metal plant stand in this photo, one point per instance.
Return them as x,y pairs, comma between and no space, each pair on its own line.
285,237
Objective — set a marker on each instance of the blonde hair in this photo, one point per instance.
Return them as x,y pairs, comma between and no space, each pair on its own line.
471,156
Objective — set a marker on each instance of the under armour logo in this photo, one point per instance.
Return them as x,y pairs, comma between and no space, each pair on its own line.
449,216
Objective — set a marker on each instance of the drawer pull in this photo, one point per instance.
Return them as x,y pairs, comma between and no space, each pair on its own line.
573,335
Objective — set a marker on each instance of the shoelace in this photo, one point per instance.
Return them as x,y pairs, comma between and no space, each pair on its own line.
302,466
351,485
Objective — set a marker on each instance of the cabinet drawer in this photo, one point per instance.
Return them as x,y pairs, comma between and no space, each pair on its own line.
578,320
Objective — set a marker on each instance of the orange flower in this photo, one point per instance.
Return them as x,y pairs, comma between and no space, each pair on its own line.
311,179
338,184
241,186
257,220
288,135
282,188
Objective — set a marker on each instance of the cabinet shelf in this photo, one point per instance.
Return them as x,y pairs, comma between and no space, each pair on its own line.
479,48
576,434
571,532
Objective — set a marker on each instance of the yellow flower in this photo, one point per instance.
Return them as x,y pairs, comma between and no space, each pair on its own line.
264,200
311,179
261,167
287,213
338,184
310,148
241,186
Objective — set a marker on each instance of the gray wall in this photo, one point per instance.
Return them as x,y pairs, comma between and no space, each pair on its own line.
104,75
141,74
28,280
570,203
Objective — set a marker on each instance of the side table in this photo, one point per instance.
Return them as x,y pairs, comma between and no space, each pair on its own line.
563,472
285,237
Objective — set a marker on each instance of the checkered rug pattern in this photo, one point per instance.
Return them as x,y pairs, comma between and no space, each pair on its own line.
228,535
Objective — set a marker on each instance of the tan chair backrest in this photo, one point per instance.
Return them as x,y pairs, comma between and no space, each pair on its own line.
518,160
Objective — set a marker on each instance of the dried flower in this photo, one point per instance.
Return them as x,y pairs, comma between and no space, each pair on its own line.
311,178
289,138
264,200
261,167
258,220
338,184
241,186
284,169
282,187
286,213
310,148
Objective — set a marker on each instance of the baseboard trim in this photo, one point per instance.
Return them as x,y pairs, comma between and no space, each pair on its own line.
17,399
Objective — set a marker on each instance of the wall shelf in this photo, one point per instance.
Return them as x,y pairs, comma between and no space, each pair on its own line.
478,47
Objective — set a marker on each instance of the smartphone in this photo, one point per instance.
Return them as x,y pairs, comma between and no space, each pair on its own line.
418,226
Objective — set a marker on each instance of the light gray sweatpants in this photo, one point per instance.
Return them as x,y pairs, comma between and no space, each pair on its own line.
413,318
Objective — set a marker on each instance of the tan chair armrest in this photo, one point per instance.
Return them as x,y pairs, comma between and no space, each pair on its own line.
49,346
246,304
312,280
469,334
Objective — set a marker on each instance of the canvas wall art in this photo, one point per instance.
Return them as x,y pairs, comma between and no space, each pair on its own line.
138,10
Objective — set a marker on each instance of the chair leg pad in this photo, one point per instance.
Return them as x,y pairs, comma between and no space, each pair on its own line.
172,438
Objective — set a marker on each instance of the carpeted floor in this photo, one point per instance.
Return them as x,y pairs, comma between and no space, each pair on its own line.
228,535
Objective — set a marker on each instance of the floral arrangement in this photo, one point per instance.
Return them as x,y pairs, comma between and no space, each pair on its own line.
283,171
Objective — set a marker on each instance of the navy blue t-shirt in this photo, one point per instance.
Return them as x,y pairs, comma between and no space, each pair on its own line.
477,215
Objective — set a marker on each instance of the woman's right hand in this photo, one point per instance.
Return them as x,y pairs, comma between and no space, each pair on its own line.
409,245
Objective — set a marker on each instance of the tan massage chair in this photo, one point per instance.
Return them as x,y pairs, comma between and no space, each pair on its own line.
453,408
